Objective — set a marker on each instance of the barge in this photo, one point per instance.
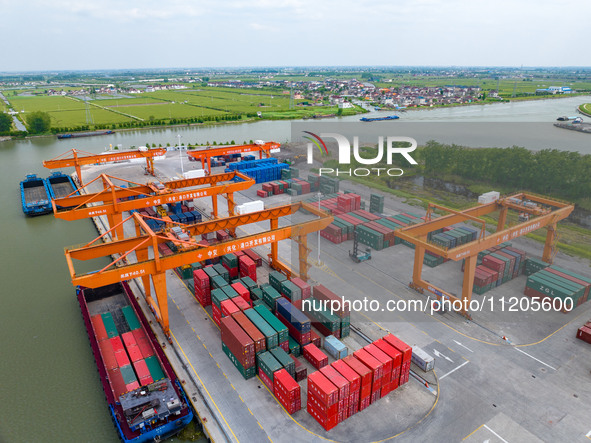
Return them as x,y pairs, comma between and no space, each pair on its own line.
61,185
379,119
144,396
35,196
83,134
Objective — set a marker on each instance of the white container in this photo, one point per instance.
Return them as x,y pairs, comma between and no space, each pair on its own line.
196,173
249,207
422,359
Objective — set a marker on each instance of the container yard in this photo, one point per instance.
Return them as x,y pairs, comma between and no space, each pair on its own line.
250,334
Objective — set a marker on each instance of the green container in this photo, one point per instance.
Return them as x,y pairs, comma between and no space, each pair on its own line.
186,272
248,283
256,294
219,282
230,291
271,337
109,325
572,274
282,334
127,374
218,296
258,302
268,364
154,367
219,268
533,265
293,292
130,318
246,372
291,192
230,260
330,321
578,290
276,278
196,266
270,296
294,347
286,361
548,288
210,271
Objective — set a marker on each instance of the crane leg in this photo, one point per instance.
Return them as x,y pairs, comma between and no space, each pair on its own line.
469,271
115,221
502,219
418,265
303,253
159,282
274,246
550,244
231,206
214,204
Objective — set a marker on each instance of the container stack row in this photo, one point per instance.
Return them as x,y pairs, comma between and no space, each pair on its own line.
290,184
563,288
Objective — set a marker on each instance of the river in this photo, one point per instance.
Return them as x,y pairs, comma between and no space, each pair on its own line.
50,388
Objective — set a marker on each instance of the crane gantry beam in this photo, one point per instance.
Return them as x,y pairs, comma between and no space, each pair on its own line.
205,155
79,158
547,215
152,270
112,201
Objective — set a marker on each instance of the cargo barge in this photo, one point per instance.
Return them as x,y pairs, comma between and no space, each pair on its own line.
83,134
145,398
379,119
61,185
35,196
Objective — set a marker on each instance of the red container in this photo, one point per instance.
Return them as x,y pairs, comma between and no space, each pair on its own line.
122,358
327,423
352,376
338,380
364,372
242,292
302,339
261,193
301,372
108,354
584,333
117,383
99,327
228,307
128,339
248,267
241,303
406,356
396,356
340,309
143,343
238,342
494,263
117,344
284,345
385,359
254,257
364,402
142,372
315,356
216,314
304,287
372,363
253,332
314,338
266,380
222,235
323,389
287,391
134,353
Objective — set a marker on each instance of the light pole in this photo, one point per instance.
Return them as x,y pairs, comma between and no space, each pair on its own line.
181,154
319,194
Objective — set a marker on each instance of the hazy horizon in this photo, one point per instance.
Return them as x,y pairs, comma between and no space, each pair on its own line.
65,35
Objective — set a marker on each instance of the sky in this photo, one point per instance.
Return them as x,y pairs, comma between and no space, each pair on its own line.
130,34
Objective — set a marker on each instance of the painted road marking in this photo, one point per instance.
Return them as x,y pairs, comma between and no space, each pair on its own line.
588,435
440,355
496,435
465,347
538,360
453,370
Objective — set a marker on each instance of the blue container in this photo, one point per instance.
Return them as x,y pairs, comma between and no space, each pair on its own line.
197,216
335,348
293,315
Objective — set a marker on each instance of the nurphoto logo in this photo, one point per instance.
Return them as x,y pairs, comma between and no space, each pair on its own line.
344,150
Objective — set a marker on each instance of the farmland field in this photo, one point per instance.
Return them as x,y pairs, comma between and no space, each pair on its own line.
167,111
120,102
78,117
586,108
44,103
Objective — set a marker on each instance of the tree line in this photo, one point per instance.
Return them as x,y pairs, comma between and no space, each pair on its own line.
550,171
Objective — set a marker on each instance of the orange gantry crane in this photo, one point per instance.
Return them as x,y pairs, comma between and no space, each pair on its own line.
114,199
544,212
205,155
77,158
153,270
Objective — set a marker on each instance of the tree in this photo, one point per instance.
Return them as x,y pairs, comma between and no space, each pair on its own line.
5,122
38,122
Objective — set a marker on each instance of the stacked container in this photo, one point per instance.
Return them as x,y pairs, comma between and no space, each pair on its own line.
202,288
315,356
323,399
406,352
298,324
247,267
287,391
238,346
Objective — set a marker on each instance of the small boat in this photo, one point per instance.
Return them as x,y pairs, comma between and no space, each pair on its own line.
564,118
35,196
379,119
83,134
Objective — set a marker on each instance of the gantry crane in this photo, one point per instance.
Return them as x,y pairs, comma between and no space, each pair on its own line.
76,158
205,155
153,270
113,199
546,213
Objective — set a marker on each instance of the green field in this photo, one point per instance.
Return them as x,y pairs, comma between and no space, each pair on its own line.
45,103
168,111
78,117
586,108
